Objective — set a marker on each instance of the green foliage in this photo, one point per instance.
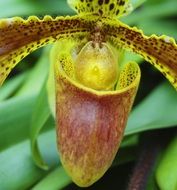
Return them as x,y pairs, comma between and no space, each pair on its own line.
167,170
155,111
40,116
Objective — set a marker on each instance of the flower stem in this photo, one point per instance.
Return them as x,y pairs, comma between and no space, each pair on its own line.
151,144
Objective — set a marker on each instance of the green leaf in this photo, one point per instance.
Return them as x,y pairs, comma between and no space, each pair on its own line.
27,7
11,86
56,180
40,116
151,11
129,141
158,110
137,3
51,90
157,26
18,170
15,116
37,75
167,170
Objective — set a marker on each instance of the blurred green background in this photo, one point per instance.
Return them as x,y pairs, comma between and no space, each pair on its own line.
25,113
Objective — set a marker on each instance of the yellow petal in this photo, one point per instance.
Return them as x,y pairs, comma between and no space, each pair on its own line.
109,8
20,37
159,51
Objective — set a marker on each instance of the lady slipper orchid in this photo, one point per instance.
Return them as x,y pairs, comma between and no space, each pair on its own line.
94,91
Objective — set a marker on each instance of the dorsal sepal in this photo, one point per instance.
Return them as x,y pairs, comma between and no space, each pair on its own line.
108,8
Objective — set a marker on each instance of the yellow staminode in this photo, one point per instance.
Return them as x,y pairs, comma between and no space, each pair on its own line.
96,67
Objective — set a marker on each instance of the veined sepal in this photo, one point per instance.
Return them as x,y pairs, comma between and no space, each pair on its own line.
90,123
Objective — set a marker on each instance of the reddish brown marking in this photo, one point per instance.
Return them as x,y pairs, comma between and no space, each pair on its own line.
90,125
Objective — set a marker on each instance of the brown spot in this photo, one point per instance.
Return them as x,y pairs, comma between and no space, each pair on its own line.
111,6
100,2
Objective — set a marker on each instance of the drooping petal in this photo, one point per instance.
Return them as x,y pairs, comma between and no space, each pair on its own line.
106,8
159,51
90,123
20,37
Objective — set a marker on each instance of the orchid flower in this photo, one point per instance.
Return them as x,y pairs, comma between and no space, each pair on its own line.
94,91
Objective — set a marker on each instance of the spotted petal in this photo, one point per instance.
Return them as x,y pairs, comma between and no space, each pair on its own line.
108,8
159,51
20,37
